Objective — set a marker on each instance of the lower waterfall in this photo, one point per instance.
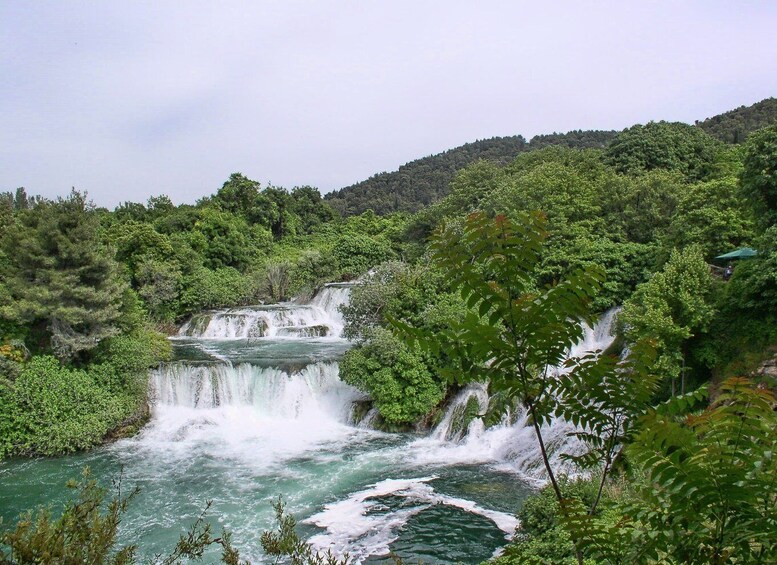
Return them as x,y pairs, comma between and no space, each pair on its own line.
313,391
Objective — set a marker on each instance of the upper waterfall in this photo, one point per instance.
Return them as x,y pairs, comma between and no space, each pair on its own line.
319,317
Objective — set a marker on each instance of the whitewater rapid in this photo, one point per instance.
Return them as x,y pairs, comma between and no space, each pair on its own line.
271,417
252,407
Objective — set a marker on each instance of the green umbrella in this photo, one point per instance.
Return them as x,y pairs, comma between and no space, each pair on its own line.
742,253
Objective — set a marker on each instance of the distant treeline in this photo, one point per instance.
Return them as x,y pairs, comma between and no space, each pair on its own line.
424,181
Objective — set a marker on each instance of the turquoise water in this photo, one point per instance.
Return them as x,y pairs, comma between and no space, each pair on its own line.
241,421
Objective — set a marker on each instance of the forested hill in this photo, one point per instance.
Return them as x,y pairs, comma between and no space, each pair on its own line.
426,180
734,126
423,181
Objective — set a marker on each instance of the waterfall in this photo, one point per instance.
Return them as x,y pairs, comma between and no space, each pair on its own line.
320,317
600,337
272,394
310,392
329,299
512,442
463,414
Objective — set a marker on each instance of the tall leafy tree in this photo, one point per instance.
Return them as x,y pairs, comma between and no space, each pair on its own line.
712,215
515,335
664,145
671,308
61,279
708,493
759,177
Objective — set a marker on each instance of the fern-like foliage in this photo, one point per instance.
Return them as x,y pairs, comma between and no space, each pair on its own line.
710,489
515,336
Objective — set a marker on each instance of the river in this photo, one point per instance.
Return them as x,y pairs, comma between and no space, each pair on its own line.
252,408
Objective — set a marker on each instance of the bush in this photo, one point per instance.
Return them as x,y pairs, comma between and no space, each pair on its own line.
356,253
58,410
50,409
542,537
205,289
397,378
131,355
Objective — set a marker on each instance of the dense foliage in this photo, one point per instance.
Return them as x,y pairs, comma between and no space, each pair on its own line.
425,181
396,377
420,182
734,126
476,285
84,289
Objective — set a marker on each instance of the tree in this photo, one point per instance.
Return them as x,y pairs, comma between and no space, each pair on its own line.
310,208
159,285
712,215
664,145
136,242
759,177
514,335
61,279
242,196
281,222
753,288
672,307
395,376
222,238
642,207
704,485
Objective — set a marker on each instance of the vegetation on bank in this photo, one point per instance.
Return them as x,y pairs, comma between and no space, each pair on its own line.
498,295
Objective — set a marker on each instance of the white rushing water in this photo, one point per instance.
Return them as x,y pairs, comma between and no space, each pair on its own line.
354,526
320,317
260,415
243,431
512,444
254,408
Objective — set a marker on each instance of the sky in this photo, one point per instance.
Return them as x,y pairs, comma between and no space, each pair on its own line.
125,100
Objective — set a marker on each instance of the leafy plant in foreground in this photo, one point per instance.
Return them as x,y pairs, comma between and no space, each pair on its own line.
514,336
709,493
86,534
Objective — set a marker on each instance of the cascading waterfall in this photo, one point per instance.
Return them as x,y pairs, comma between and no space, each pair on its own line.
320,317
253,407
314,390
512,442
462,416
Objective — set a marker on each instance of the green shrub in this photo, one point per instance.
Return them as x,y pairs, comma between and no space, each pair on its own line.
59,409
134,353
356,253
396,377
542,537
50,408
205,288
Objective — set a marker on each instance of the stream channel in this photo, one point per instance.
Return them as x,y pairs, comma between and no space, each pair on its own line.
252,408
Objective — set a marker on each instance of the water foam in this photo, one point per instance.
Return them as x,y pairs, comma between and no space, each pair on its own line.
321,317
247,412
360,526
512,444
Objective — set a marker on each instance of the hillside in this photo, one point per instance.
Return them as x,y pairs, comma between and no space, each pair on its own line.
426,180
420,182
734,126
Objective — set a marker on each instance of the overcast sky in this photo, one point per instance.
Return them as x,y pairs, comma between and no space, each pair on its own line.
129,99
